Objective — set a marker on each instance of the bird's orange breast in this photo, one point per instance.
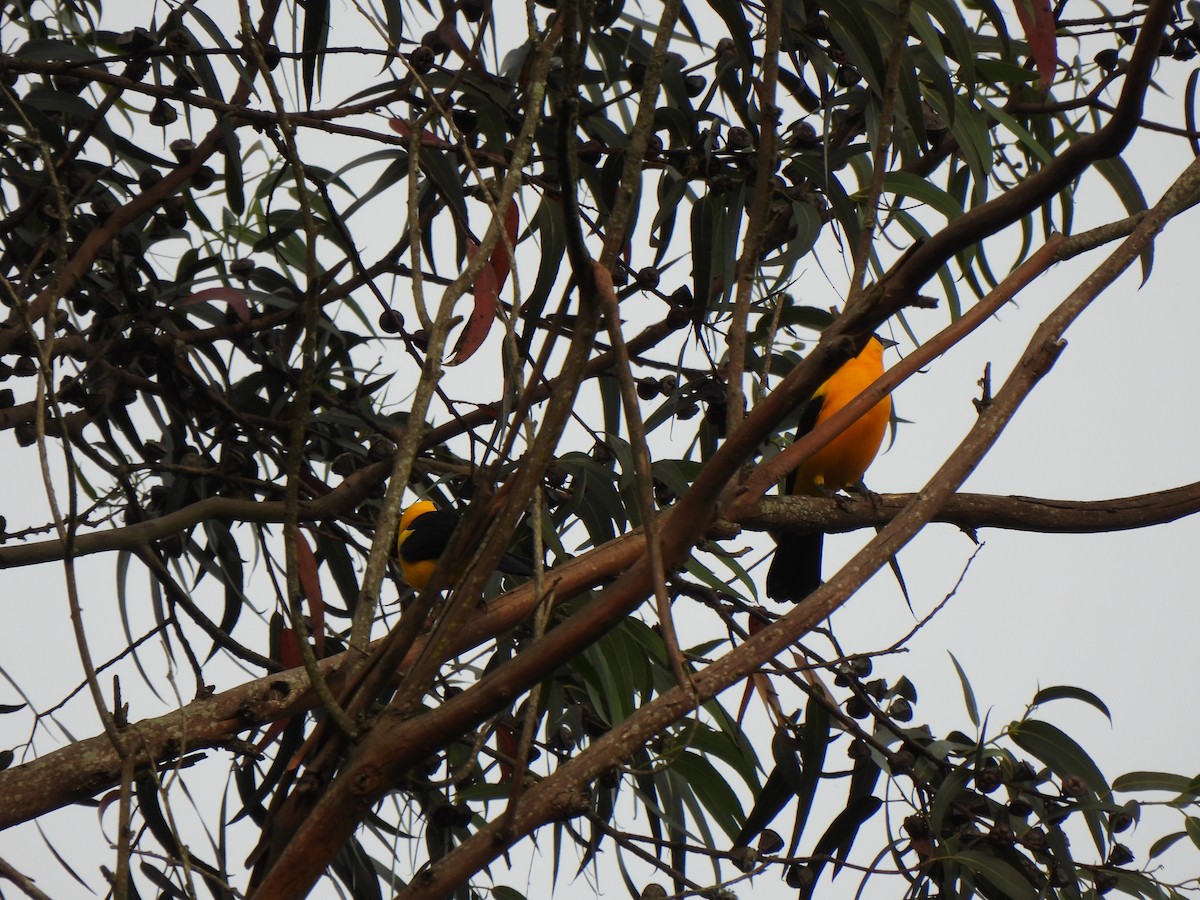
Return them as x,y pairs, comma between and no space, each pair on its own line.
843,460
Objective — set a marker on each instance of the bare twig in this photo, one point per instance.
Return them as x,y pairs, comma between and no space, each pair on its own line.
764,183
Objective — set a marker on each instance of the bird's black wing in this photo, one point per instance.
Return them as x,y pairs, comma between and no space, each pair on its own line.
808,421
429,535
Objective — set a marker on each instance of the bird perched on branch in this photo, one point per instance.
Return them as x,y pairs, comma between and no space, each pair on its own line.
424,533
796,569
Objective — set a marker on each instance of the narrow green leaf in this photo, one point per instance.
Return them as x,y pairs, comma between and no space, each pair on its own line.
1034,148
958,35
1155,781
839,836
706,217
393,10
53,50
1165,843
738,755
1135,884
314,41
1067,692
1011,884
1124,184
1060,752
906,184
785,781
339,564
853,35
548,223
813,748
1066,759
712,790
442,168
991,11
1189,110
1060,852
968,694
1191,824
392,174
230,57
807,223
235,194
1001,71
124,558
732,14
974,140
948,794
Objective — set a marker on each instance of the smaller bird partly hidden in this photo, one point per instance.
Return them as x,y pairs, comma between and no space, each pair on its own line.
423,535
796,568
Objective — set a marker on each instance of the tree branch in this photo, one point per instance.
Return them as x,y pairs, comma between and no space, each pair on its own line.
973,511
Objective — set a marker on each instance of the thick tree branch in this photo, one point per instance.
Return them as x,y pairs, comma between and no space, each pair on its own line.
974,511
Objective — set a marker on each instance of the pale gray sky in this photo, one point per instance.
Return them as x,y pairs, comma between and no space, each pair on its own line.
1117,614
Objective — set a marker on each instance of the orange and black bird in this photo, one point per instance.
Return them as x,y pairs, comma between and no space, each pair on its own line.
796,569
423,535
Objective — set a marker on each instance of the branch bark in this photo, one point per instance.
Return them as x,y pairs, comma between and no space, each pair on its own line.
973,511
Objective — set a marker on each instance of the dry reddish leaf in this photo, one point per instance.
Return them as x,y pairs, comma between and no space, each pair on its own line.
501,261
310,587
745,704
506,743
768,695
428,138
288,654
487,287
289,649
235,299
758,681
479,323
1037,21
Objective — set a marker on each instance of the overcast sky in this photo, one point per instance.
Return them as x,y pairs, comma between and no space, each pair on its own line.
1116,614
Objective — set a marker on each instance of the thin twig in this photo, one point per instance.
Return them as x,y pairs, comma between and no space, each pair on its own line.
764,183
301,402
23,883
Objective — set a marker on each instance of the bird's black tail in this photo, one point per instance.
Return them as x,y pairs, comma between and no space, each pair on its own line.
796,568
